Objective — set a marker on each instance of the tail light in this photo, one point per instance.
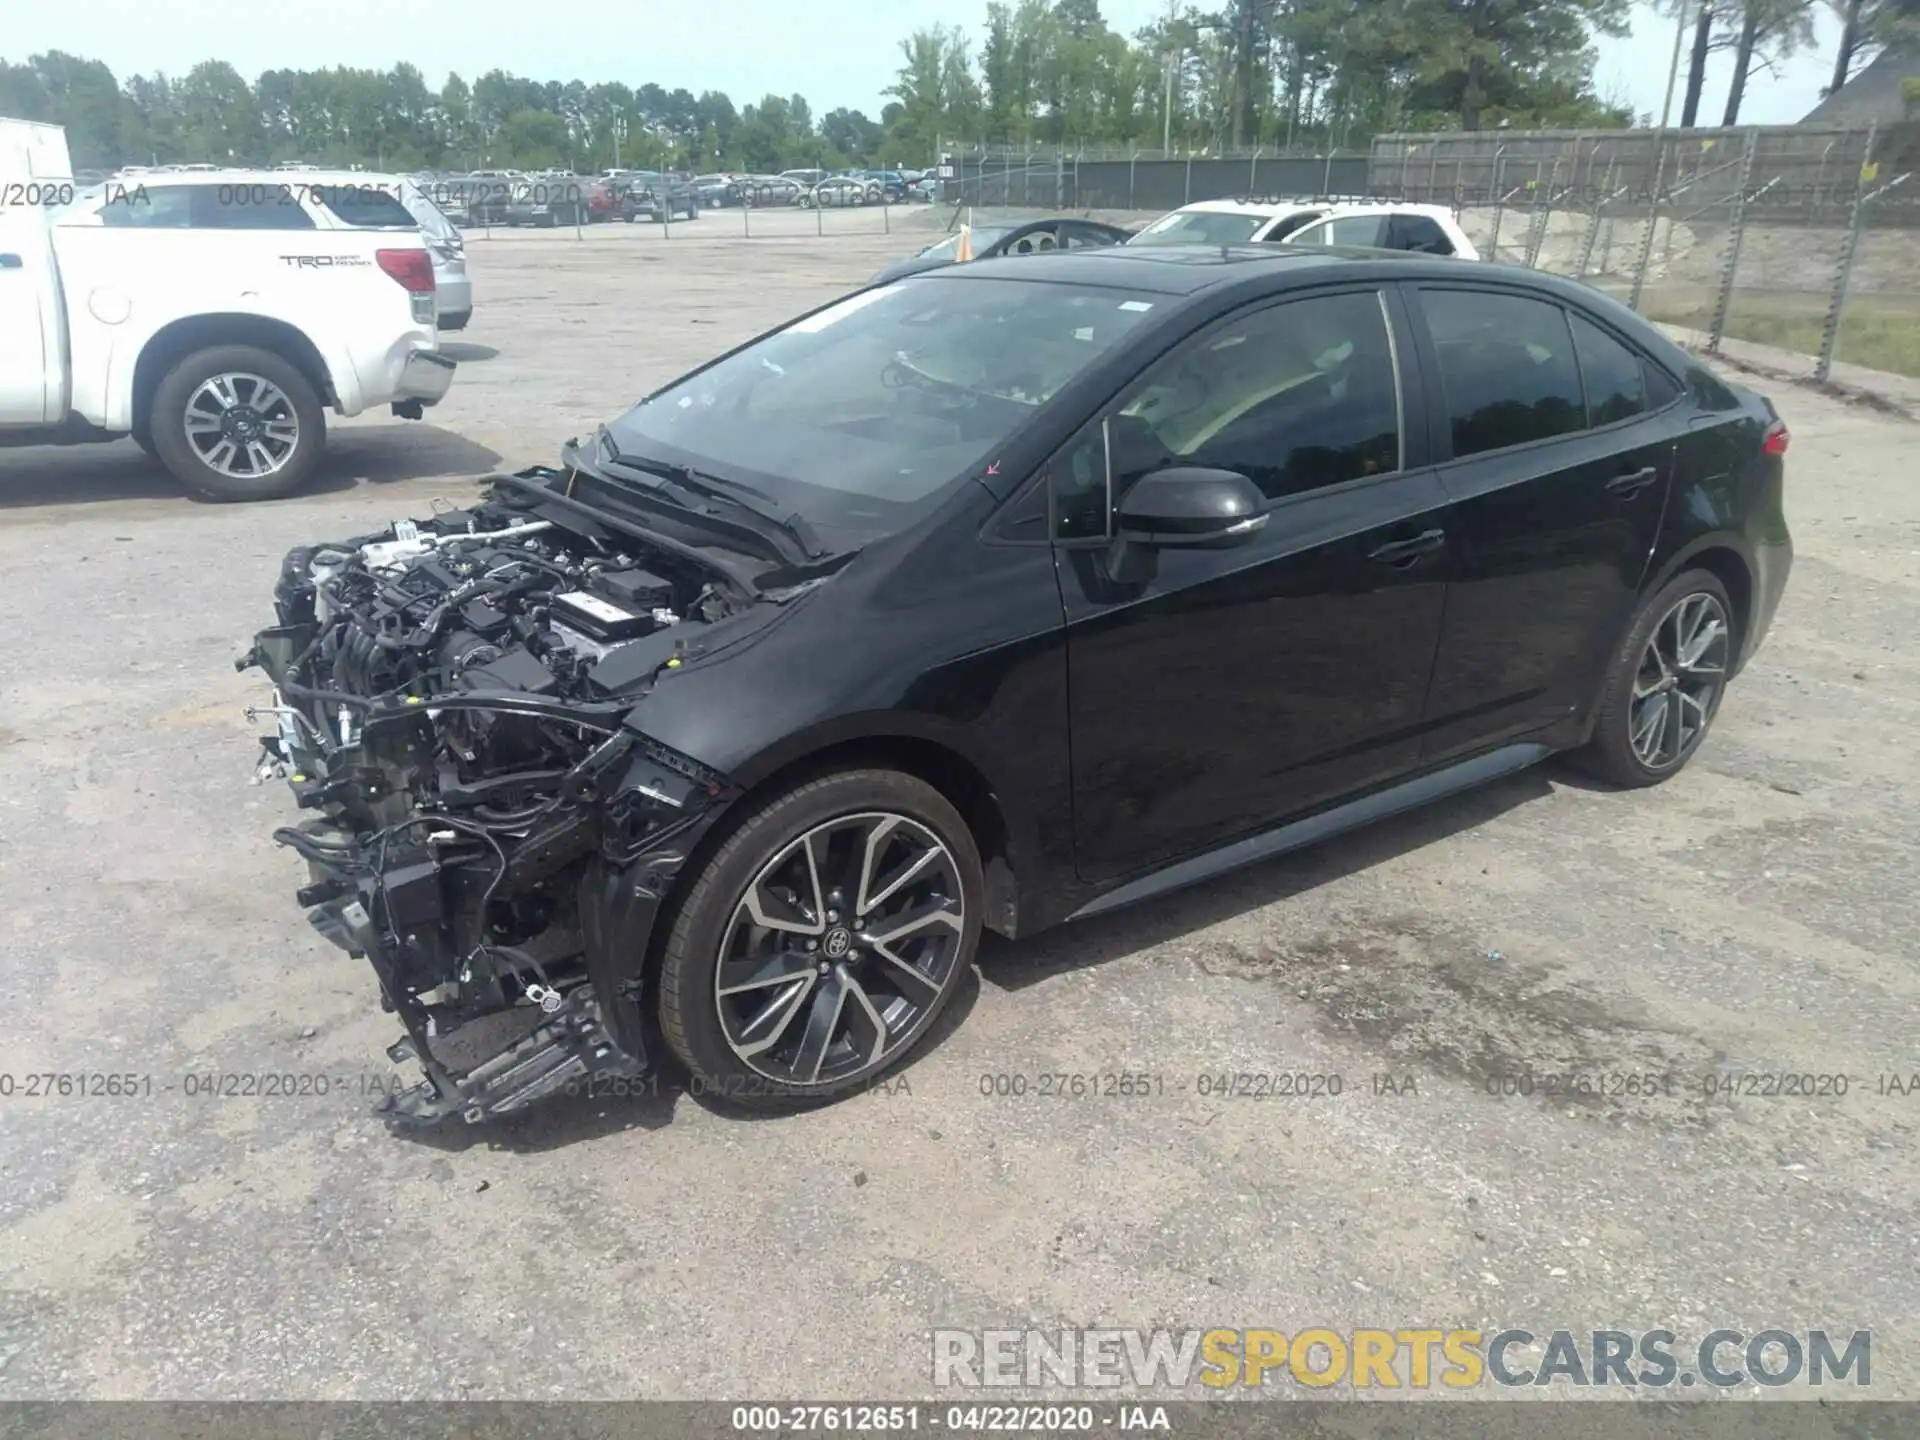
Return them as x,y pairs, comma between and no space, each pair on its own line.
1776,440
414,270
411,268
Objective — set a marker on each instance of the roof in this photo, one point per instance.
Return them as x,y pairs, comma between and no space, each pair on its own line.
1247,207
1875,95
1191,269
1184,269
245,176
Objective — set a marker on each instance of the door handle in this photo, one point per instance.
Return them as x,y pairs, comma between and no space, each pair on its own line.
1405,552
11,262
1634,483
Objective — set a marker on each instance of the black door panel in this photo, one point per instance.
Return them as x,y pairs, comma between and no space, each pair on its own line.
1236,687
1559,479
1551,557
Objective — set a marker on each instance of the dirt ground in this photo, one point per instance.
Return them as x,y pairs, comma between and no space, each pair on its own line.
1756,914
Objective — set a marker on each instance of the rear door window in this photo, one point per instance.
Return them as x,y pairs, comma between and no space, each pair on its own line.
1363,230
148,207
249,206
1293,224
1507,369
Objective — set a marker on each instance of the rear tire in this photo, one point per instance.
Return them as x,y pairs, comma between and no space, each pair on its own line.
887,850
275,413
1664,684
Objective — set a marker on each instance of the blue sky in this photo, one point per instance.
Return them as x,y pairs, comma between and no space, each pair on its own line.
835,52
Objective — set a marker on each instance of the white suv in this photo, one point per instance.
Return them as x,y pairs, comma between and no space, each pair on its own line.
213,317
1424,229
1386,225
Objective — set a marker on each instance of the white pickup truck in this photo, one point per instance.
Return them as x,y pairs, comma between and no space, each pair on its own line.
213,316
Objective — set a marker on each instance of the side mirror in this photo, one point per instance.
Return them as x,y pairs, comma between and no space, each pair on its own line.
1193,507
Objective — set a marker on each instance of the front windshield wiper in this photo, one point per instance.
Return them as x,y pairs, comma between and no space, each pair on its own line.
793,527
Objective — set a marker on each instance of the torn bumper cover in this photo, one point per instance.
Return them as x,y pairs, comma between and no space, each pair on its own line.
488,826
409,901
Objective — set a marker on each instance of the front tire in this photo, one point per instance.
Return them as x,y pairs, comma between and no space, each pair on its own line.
1664,684
822,940
235,422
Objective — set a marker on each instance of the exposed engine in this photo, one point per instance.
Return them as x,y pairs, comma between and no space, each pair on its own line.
451,698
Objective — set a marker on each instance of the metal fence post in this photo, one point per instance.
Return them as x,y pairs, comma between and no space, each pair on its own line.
1189,196
1433,173
1499,199
1653,223
1856,222
1326,185
1542,212
1731,266
1133,160
1599,202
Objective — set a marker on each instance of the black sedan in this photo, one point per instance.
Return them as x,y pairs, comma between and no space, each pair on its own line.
1026,237
989,600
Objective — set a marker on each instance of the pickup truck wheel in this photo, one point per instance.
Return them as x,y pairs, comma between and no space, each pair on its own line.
821,941
237,423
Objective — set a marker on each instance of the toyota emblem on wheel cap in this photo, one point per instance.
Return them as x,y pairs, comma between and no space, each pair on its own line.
837,943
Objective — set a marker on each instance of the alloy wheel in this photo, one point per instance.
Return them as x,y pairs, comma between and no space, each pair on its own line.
1678,682
242,425
839,949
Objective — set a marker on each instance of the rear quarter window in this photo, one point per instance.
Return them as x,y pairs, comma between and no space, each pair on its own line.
365,207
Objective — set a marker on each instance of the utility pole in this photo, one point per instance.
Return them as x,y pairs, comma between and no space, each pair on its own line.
1175,59
1673,70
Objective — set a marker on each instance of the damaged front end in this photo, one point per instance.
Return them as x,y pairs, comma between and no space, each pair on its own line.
455,704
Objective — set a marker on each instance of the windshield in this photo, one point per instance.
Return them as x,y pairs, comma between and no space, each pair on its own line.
984,238
859,415
1200,227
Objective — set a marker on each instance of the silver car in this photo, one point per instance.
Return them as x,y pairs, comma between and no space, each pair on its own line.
452,285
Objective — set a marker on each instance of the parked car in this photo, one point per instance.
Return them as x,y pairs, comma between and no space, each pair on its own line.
603,200
1029,237
893,185
841,190
397,202
997,597
1431,229
1425,229
652,195
714,191
805,179
213,316
770,190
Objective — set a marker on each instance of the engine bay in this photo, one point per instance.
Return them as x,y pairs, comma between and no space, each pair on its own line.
452,703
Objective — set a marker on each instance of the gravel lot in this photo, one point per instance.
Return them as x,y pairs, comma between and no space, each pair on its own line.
1759,913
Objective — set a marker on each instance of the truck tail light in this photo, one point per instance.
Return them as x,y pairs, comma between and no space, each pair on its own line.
411,268
1776,439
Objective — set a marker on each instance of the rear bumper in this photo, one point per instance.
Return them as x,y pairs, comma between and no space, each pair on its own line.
1771,565
426,377
453,295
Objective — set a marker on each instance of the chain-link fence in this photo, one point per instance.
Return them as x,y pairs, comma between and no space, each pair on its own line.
1062,178
1803,241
